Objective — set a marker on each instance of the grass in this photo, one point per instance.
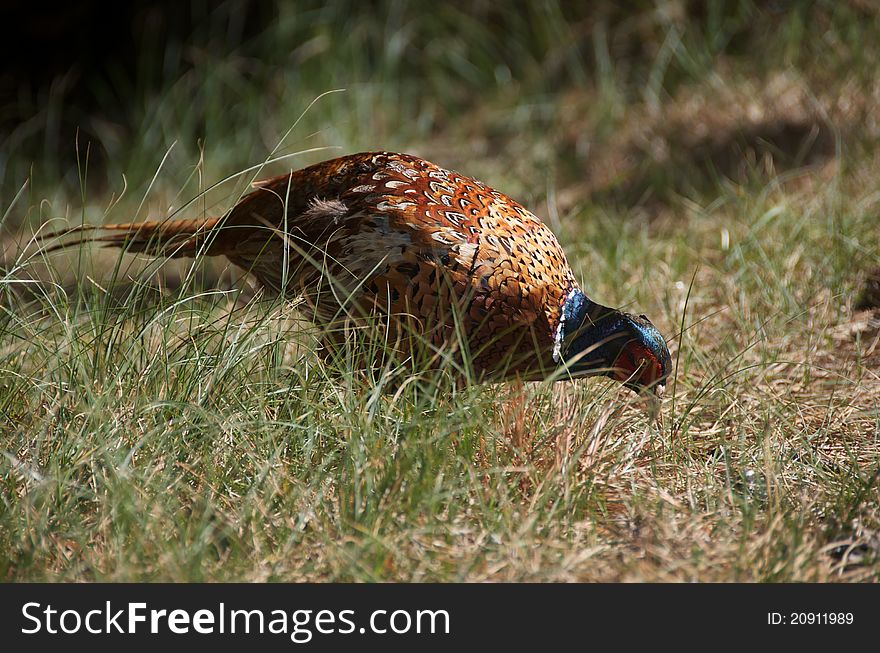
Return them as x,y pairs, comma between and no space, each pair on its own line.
160,423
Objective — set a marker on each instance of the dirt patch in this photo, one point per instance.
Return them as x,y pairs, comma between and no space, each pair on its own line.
712,134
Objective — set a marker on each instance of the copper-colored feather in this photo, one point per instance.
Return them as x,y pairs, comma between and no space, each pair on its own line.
392,235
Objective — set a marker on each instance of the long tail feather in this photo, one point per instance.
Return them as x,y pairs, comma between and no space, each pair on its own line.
169,238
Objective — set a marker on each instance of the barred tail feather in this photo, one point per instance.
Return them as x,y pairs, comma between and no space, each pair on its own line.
169,238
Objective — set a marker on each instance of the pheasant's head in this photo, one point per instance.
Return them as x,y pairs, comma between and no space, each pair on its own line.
596,340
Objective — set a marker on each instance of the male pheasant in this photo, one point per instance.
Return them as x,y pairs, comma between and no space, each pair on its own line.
433,254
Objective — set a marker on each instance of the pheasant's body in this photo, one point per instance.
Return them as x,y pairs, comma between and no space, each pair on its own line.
429,251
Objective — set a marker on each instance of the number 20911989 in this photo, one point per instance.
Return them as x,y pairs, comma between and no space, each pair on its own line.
809,618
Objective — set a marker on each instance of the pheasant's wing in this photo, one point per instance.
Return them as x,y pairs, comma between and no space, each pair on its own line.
285,232
396,235
450,253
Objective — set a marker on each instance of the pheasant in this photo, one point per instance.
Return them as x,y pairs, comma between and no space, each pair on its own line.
430,252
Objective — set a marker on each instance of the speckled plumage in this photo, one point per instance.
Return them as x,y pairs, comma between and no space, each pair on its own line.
396,236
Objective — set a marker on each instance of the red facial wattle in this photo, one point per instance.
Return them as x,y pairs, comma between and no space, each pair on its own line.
637,365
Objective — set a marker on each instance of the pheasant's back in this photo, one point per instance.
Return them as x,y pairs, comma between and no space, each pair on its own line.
397,235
